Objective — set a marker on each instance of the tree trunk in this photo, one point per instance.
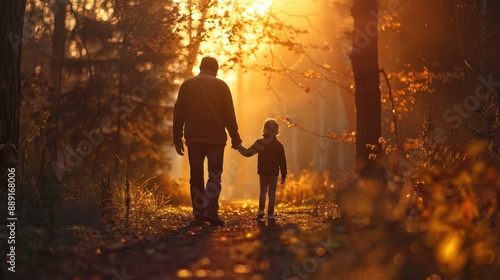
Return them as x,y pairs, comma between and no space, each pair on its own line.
56,66
58,44
118,125
11,30
194,35
364,59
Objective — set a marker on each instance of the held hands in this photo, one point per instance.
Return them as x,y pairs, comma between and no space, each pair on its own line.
283,178
179,149
235,143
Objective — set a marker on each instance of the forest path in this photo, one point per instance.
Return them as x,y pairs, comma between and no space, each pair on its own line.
243,249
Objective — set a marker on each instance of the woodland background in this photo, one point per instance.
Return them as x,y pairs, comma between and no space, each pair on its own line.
394,122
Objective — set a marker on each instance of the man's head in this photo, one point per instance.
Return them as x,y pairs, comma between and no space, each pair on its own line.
209,63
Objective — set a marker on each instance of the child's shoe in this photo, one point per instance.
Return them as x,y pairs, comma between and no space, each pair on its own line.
260,215
271,217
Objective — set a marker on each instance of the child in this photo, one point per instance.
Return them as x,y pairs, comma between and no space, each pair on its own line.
271,160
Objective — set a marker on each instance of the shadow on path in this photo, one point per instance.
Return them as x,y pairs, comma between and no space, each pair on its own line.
243,249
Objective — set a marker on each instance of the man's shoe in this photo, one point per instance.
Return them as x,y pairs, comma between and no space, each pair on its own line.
197,222
260,215
214,221
271,218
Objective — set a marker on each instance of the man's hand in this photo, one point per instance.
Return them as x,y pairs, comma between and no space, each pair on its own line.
283,178
179,149
235,143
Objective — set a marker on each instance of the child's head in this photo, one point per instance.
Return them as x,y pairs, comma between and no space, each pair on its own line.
271,127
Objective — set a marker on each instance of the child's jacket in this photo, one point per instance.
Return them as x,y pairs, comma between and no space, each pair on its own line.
271,157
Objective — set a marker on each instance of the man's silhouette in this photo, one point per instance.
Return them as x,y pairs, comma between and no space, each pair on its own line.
203,111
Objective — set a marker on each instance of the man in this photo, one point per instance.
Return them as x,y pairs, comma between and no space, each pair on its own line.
203,111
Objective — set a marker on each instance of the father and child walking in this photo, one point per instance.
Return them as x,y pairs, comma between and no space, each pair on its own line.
203,111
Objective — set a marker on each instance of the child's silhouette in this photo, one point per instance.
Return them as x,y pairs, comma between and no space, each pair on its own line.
271,161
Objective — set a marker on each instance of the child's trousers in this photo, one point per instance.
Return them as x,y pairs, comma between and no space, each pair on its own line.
267,183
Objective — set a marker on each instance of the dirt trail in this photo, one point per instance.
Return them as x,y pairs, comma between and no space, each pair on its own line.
243,249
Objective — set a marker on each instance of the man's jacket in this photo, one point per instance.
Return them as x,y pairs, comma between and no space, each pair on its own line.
203,110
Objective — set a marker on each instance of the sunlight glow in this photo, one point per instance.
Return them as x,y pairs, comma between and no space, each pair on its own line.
237,10
103,15
256,7
218,26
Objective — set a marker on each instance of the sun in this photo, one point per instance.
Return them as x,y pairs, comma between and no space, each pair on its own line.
258,7
230,13
225,26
